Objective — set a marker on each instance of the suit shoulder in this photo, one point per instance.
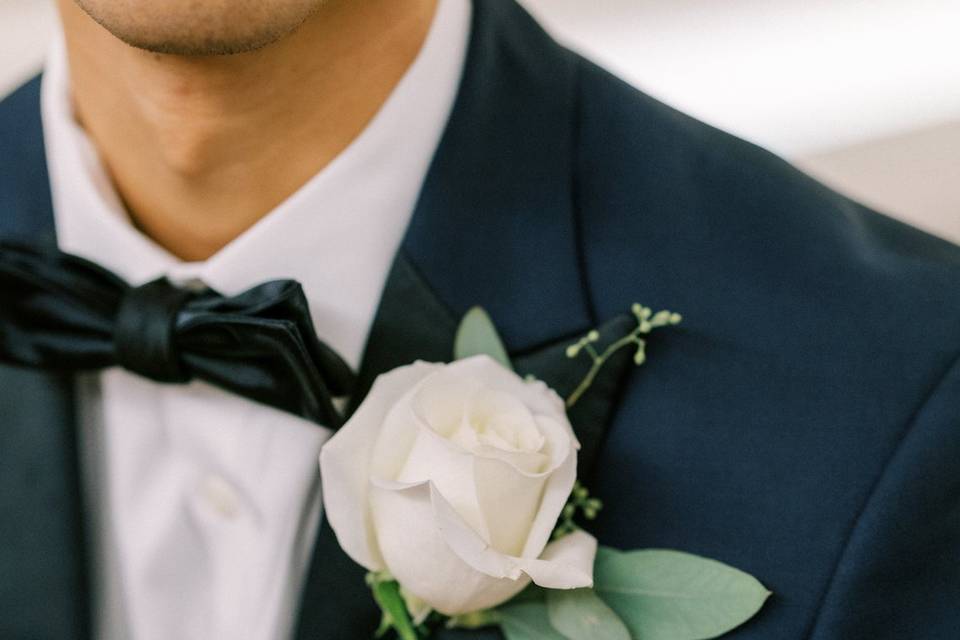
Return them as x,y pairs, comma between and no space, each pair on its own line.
702,213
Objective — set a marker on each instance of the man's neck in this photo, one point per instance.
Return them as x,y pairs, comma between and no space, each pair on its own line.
201,148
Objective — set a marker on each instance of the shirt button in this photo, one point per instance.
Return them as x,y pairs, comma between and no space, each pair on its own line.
220,496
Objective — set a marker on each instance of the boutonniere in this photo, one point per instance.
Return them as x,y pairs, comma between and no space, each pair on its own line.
455,486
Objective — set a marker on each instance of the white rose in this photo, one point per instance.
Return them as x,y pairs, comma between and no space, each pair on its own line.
452,477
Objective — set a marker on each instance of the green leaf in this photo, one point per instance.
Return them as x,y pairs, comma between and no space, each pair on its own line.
670,595
387,595
527,620
580,615
477,336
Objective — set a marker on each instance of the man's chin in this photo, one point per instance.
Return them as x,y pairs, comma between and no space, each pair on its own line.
209,28
199,47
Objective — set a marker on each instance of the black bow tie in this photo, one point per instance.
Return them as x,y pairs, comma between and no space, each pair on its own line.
59,311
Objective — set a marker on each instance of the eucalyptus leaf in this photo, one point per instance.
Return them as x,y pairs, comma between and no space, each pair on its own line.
478,336
670,595
579,614
527,621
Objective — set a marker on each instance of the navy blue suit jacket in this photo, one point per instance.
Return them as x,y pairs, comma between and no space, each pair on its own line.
802,424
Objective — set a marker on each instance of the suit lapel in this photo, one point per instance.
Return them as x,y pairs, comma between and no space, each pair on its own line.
43,593
495,225
497,222
411,324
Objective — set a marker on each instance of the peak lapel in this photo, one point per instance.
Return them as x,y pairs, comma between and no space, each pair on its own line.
497,223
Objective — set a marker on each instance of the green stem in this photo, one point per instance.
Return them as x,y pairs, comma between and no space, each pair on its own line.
598,362
584,384
386,592
647,321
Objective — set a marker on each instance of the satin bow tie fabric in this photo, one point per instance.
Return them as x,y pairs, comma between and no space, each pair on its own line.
59,311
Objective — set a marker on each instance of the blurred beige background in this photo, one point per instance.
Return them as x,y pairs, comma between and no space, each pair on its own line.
864,94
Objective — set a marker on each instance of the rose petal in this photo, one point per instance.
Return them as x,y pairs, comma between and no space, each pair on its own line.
566,563
509,502
490,374
398,434
415,547
557,445
345,461
555,496
441,401
503,421
450,469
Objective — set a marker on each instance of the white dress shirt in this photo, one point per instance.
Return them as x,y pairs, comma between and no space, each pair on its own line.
204,505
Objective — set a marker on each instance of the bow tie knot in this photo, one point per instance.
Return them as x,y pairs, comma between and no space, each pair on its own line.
143,334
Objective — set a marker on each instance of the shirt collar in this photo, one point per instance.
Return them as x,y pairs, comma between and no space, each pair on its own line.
337,235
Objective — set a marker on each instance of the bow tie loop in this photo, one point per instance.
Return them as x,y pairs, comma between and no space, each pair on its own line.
143,338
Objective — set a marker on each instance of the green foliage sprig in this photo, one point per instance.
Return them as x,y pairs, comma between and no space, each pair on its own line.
647,321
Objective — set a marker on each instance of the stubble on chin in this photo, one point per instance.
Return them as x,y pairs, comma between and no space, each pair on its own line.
200,27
